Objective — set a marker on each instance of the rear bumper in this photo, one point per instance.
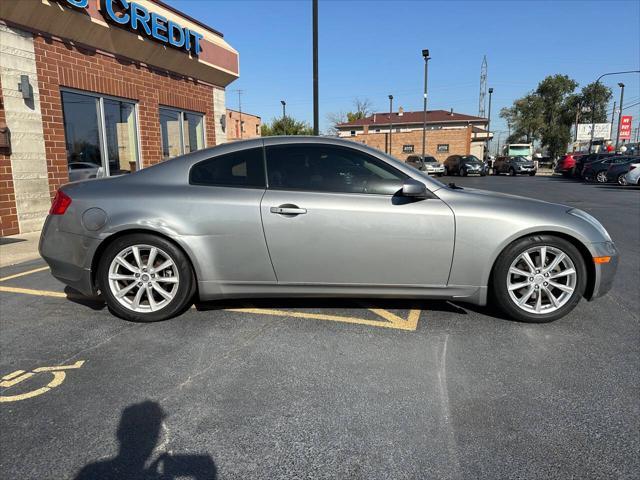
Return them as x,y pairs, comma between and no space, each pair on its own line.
604,272
68,256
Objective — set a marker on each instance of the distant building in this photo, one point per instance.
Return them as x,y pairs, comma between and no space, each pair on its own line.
241,126
448,133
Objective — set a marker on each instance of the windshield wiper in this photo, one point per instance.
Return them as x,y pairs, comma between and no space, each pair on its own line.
454,186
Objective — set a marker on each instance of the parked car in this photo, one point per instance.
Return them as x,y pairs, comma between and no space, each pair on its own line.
514,166
632,177
567,164
464,165
312,216
586,159
427,164
617,170
84,171
596,171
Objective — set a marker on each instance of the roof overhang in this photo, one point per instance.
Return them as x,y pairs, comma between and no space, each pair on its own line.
216,63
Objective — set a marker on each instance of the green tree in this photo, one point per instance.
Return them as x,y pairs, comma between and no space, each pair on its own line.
594,98
285,126
556,98
524,119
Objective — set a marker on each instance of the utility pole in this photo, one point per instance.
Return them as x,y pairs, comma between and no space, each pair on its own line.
390,121
483,87
316,115
425,54
621,85
240,92
613,116
284,109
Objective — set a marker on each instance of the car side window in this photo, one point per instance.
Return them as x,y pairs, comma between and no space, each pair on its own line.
244,168
329,168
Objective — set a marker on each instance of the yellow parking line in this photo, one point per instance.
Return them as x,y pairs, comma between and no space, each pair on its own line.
392,320
22,274
397,323
29,291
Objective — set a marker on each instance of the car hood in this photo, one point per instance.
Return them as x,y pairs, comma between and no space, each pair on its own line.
492,211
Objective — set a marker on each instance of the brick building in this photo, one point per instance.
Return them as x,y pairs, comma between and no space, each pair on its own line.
448,133
93,88
242,125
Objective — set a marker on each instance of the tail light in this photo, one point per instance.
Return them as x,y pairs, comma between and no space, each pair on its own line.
60,203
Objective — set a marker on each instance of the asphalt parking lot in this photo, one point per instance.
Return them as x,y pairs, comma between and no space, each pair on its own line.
327,389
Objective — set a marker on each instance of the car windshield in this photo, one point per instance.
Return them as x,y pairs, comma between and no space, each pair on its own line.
471,159
520,159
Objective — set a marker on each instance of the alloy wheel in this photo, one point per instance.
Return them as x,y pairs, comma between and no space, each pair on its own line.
541,280
601,177
143,278
622,180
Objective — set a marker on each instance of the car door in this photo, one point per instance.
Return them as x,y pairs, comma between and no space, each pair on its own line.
331,215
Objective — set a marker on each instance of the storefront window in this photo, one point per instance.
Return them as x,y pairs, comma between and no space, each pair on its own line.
100,135
120,126
181,132
82,135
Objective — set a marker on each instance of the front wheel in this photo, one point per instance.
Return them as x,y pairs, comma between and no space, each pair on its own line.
531,174
601,177
512,172
145,278
539,278
463,172
622,180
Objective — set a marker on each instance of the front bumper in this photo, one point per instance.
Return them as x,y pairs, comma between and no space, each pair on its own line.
604,272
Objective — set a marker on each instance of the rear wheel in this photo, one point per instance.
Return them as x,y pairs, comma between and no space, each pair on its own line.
145,278
539,278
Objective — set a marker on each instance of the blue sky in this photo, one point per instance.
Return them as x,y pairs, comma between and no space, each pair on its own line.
369,49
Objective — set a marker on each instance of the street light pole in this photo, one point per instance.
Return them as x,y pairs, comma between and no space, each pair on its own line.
621,85
593,107
425,54
316,115
284,115
488,124
390,121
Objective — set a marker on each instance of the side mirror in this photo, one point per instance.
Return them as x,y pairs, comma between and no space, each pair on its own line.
414,188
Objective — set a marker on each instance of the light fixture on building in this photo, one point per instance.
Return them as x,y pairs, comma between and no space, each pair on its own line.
25,87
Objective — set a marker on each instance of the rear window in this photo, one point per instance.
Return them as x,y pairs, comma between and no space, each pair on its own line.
244,168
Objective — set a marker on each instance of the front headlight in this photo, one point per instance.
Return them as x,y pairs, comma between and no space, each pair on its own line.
576,212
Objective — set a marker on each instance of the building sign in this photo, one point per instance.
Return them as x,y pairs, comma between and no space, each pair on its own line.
137,18
443,148
625,127
407,149
601,131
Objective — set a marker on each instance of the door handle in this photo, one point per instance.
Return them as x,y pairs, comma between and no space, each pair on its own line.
288,210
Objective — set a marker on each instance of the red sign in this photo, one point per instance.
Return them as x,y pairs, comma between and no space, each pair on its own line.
625,127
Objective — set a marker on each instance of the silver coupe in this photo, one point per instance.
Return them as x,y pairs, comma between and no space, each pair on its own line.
311,217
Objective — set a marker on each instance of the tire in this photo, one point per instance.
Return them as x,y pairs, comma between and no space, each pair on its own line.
446,171
601,177
532,174
439,174
622,180
179,285
483,174
512,172
463,172
501,277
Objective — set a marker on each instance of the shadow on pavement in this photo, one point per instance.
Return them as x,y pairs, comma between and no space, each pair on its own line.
138,434
94,303
332,303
